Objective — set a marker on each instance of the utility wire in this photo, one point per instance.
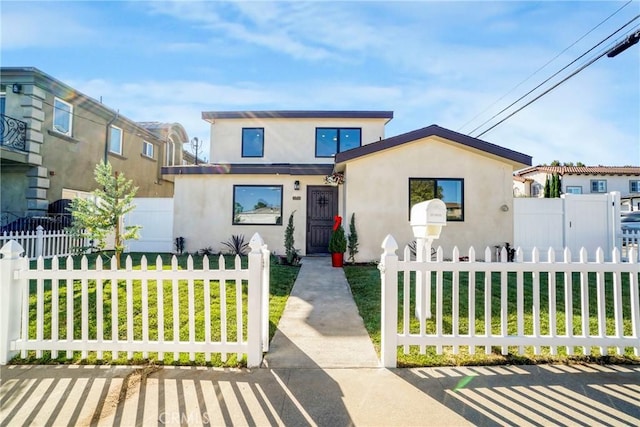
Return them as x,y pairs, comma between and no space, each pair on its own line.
547,80
548,90
541,68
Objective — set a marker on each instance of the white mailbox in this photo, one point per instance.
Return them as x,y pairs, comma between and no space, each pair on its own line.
428,218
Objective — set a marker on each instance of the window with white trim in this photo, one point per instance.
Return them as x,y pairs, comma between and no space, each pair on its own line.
115,140
574,189
62,117
147,149
170,151
634,186
598,185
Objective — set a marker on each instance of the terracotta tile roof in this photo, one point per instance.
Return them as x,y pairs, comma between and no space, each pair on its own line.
582,170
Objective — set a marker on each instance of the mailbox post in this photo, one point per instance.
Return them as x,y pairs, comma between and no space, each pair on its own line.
427,220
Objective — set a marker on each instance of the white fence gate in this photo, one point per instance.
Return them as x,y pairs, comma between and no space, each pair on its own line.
155,215
573,221
97,296
500,287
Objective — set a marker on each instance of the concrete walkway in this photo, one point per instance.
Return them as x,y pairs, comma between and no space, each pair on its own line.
321,370
320,326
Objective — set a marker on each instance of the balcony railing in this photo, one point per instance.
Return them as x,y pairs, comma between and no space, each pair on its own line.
13,133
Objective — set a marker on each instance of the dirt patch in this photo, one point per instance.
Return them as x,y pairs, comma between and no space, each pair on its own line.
118,397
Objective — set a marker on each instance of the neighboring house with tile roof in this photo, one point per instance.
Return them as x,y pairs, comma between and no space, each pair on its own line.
275,163
530,182
54,136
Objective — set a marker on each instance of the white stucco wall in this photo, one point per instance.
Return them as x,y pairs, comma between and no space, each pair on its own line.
377,190
203,210
285,140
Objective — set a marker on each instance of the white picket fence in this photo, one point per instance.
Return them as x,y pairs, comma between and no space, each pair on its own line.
95,299
41,243
629,239
479,285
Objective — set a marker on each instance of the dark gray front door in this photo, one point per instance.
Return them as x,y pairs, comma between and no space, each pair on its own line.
322,206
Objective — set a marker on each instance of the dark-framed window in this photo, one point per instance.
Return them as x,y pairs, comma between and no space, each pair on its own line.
449,190
252,142
330,141
598,185
257,205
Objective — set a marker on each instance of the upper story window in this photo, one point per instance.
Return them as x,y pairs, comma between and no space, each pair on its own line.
330,141
115,140
634,186
598,185
449,190
147,149
62,117
252,142
574,189
170,153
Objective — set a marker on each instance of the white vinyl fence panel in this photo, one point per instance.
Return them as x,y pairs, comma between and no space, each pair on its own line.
573,221
155,215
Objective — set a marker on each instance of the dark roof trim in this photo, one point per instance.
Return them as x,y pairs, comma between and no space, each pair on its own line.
433,130
212,115
250,169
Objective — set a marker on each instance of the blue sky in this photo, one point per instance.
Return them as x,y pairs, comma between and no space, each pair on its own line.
454,64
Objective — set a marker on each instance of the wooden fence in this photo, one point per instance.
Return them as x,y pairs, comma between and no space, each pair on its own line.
150,309
464,303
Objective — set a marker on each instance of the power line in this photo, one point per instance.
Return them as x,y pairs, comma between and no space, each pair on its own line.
540,69
547,91
547,80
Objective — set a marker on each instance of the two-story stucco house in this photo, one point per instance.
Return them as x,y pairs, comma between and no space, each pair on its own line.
530,182
270,164
53,137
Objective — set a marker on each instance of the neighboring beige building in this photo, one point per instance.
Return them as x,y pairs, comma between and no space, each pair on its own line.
270,164
530,182
54,136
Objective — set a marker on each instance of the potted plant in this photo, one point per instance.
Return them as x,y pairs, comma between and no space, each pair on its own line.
337,243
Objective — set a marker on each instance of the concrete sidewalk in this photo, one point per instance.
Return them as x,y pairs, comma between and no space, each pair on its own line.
322,370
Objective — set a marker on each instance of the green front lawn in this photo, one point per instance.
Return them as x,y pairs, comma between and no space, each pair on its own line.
282,280
365,286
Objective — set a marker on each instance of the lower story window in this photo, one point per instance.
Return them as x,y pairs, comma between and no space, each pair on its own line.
574,189
634,186
257,204
598,185
449,190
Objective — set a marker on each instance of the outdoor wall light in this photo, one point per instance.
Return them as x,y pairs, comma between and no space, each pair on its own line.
16,88
296,185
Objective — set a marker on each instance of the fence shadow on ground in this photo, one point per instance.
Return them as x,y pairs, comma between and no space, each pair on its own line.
84,395
534,395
